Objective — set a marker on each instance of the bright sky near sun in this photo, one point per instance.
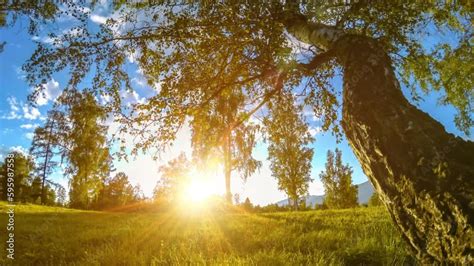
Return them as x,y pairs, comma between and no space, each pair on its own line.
18,120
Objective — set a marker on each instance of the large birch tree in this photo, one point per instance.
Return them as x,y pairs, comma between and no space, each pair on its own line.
193,52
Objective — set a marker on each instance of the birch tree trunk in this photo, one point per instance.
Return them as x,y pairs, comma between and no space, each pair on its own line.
228,165
424,175
46,162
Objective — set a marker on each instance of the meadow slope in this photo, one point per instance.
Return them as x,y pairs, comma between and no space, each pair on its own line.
57,236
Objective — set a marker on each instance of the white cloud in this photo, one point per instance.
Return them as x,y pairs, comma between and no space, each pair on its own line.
6,131
98,19
297,47
29,126
49,92
4,150
315,130
316,187
29,135
104,4
19,149
308,112
131,97
18,110
157,86
14,109
48,40
133,56
30,113
13,104
84,9
140,81
21,74
74,31
104,99
255,120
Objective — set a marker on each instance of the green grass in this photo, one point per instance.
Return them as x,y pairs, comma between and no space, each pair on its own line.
58,236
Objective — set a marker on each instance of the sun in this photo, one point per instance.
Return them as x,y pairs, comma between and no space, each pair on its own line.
200,187
197,191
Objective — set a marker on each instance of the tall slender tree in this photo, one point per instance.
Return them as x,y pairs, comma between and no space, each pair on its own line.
46,144
88,152
61,194
217,131
174,176
288,151
337,181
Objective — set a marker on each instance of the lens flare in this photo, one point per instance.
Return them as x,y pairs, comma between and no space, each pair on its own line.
200,187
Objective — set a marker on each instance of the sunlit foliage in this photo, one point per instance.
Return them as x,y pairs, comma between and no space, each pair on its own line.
22,167
288,151
87,154
174,176
117,192
337,182
192,53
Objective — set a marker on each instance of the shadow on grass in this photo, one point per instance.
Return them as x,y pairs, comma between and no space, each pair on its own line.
374,257
88,238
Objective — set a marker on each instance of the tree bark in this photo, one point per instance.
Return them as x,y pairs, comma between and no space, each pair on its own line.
423,174
45,166
227,166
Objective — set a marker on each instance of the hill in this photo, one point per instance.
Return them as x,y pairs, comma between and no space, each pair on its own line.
365,191
57,236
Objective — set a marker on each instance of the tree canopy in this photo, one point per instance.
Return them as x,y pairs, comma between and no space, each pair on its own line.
337,181
288,151
87,153
173,178
22,167
117,192
193,53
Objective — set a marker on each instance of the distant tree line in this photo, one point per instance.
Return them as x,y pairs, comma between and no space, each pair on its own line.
340,193
114,191
27,186
117,192
74,136
174,176
290,164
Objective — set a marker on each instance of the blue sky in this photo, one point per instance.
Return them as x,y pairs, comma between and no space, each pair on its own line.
18,120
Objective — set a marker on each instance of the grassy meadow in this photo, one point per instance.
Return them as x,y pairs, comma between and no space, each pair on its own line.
58,236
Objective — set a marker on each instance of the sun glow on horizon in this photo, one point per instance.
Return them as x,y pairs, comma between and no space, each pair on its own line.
200,187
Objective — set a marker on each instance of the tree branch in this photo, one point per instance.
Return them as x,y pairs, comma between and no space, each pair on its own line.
308,32
278,87
318,60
